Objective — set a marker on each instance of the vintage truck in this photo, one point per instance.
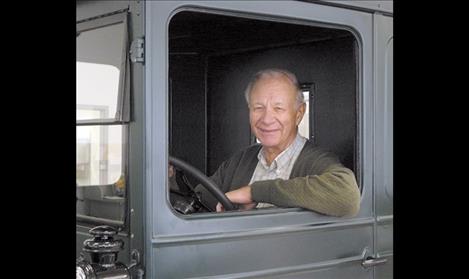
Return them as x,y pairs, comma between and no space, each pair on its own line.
162,82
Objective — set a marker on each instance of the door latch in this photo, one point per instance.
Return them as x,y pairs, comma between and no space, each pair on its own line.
370,262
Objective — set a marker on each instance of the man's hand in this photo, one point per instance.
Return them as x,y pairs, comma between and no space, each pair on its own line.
241,196
170,170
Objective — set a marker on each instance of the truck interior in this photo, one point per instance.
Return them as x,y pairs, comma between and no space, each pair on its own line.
211,60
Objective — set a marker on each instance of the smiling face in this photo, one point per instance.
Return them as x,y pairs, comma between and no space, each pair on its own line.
274,113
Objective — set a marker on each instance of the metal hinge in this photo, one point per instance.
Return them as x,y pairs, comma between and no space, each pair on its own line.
137,51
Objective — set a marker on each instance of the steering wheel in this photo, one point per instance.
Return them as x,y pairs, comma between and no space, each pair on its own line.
204,181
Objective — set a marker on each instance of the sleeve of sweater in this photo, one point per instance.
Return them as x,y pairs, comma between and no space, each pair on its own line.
333,191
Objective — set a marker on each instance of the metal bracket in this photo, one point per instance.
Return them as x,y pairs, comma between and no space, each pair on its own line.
137,51
134,258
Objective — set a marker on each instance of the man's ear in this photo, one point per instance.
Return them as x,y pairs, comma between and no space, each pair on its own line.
300,113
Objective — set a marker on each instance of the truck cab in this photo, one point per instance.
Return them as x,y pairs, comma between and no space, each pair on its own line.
162,82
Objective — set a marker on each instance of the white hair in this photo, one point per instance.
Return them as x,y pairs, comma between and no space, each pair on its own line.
300,99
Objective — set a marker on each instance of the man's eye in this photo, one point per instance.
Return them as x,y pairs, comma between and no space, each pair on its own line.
279,109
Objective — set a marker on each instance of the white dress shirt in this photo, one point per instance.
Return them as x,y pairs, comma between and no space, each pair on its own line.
280,167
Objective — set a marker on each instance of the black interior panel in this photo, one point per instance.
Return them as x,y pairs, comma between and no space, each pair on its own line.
211,62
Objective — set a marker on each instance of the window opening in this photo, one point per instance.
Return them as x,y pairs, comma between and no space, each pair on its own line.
102,107
211,60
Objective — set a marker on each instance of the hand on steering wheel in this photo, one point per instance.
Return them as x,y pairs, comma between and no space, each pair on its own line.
204,181
242,197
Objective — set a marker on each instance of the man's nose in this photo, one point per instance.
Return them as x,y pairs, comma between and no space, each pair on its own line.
268,117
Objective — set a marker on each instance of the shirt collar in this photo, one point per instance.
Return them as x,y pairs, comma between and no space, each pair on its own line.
282,159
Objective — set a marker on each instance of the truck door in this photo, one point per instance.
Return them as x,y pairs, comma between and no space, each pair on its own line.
271,243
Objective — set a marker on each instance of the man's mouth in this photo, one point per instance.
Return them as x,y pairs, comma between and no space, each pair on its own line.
266,131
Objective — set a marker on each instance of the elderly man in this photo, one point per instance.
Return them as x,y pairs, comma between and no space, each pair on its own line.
285,170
